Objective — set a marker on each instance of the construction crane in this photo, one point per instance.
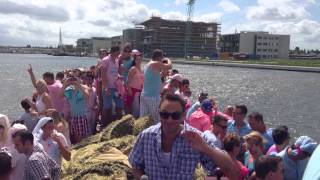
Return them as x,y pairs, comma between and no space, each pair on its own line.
190,5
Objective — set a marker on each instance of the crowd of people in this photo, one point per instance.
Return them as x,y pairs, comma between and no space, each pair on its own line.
74,104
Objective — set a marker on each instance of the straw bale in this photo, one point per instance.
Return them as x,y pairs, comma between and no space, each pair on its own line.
141,124
118,128
124,144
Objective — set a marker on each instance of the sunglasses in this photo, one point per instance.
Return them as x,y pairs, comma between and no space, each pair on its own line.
222,127
174,115
1,126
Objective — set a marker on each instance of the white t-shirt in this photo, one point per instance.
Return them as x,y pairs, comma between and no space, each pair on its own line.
52,148
213,138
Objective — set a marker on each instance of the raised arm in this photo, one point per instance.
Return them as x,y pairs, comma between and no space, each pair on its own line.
64,86
62,143
222,159
33,78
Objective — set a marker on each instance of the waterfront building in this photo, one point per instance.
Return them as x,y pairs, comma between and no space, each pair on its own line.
256,44
116,41
93,45
172,37
134,36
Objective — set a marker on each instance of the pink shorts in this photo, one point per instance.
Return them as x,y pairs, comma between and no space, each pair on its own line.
79,125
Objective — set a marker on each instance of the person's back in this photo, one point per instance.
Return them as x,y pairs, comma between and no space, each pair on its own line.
152,81
54,93
39,157
200,120
150,96
313,169
29,120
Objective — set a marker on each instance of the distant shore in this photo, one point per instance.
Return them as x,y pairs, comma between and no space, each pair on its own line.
285,65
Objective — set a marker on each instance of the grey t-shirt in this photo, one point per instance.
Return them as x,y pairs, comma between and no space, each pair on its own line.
29,121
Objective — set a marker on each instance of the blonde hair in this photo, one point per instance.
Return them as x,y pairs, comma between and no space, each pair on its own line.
4,121
255,137
57,119
41,86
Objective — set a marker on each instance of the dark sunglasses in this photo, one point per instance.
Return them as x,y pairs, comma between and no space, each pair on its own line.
1,126
222,127
174,115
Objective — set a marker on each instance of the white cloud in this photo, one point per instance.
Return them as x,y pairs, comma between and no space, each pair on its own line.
228,6
211,17
179,2
279,10
285,17
174,16
32,22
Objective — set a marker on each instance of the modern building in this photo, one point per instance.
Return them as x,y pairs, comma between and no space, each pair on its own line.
256,44
100,43
93,45
116,41
170,36
134,36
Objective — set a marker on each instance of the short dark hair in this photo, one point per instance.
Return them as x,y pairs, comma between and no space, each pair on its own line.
257,116
127,46
218,118
5,164
280,134
266,164
25,105
114,49
174,98
185,81
157,53
59,75
243,108
48,75
25,136
175,71
230,141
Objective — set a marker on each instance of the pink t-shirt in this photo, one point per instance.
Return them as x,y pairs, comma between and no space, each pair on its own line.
200,120
112,70
272,150
54,93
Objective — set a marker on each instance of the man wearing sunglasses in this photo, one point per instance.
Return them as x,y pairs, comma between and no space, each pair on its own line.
218,130
170,150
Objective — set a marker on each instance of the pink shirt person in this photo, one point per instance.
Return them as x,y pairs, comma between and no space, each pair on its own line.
201,118
54,93
112,68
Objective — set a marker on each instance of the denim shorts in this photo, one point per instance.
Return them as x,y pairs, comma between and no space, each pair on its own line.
107,100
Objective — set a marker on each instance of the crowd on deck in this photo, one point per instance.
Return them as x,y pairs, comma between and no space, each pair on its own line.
74,104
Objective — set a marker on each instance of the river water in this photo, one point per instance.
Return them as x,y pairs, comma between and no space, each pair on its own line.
286,98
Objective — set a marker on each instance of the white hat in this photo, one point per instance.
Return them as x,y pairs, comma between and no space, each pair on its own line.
136,52
177,77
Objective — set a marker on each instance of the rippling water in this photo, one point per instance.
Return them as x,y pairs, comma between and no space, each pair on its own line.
288,98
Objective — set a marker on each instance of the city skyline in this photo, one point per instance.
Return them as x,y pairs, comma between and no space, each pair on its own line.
37,22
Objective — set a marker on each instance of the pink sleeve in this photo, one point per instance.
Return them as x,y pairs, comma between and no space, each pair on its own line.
195,123
206,124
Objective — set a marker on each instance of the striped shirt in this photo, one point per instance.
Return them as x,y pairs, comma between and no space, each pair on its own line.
147,156
39,166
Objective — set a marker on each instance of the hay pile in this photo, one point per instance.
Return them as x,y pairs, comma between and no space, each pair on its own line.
105,155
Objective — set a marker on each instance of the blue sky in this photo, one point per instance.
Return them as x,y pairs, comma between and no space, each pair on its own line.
37,22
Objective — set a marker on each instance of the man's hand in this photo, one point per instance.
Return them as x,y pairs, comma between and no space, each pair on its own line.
55,137
30,69
195,141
